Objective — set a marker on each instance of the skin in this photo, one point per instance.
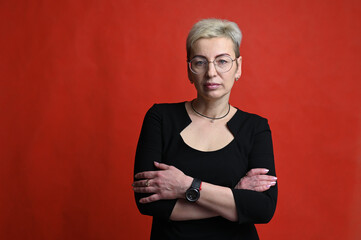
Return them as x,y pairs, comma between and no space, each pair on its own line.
210,48
171,183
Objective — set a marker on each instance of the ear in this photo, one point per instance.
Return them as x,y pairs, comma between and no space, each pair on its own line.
239,68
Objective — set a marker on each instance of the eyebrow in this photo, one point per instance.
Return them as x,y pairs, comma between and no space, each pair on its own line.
219,55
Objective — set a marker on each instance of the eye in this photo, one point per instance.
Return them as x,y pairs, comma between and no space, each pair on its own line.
198,62
223,61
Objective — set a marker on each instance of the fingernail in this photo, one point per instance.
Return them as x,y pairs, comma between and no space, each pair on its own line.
266,170
273,183
275,178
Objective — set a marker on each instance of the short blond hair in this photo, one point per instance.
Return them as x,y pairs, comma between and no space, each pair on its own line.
211,28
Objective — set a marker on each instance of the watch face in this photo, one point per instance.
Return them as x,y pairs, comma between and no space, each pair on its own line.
192,195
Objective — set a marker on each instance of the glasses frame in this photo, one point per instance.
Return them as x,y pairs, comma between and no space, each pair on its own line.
214,64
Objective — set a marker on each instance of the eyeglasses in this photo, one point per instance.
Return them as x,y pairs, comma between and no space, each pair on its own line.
222,64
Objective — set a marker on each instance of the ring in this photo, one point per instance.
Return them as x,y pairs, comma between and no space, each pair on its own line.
147,183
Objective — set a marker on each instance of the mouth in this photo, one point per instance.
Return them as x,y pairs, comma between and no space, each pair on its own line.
212,85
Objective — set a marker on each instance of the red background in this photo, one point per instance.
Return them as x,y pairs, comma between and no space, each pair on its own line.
77,77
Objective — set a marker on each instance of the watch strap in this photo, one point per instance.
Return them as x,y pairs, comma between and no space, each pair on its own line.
196,184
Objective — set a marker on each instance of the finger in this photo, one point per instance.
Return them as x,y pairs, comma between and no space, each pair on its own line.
141,183
152,198
265,187
162,166
262,188
238,186
263,183
144,189
264,178
147,174
257,171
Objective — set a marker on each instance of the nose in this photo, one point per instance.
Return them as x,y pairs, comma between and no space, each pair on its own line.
211,71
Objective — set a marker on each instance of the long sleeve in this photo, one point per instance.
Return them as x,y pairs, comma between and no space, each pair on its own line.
258,207
160,140
149,149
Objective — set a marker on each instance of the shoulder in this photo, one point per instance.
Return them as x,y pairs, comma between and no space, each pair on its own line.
249,122
167,107
169,117
173,114
252,117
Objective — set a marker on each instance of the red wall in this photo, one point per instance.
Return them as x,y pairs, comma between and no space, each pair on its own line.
76,78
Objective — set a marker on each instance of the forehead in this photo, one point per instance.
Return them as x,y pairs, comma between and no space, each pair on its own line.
211,47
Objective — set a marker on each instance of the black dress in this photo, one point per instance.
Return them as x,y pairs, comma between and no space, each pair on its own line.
160,140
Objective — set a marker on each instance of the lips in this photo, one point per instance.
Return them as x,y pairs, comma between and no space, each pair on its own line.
212,85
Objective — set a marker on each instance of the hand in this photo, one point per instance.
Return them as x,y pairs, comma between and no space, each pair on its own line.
257,180
167,183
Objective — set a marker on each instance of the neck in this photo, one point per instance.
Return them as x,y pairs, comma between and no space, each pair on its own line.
213,109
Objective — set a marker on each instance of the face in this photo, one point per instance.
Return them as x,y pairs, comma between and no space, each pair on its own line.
212,84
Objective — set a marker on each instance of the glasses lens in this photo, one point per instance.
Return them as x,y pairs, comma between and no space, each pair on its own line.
198,65
223,63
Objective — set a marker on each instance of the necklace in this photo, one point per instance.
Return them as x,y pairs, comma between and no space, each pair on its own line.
212,118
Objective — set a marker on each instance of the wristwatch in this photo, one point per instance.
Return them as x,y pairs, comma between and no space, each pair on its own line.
193,193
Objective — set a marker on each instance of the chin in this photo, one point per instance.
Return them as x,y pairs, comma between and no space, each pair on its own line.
213,96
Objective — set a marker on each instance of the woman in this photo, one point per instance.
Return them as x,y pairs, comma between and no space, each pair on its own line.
204,169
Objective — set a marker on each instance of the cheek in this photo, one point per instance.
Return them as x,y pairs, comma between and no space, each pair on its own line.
196,78
191,76
230,83
229,78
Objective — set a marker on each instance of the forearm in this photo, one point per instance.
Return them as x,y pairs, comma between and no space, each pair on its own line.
219,200
214,201
184,210
171,183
